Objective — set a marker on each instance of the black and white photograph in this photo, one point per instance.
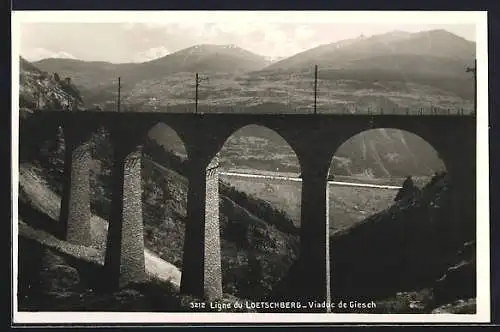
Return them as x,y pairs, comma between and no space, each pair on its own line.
261,166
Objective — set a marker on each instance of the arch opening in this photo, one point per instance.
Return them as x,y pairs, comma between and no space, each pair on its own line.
259,214
100,177
164,197
389,235
367,171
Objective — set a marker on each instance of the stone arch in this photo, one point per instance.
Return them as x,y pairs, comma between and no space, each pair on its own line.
276,140
143,173
395,151
377,157
167,136
260,193
425,221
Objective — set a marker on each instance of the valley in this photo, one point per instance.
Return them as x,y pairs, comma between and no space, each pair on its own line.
348,205
380,156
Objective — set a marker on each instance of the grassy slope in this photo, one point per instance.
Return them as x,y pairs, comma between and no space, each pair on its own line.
343,90
378,153
381,71
405,250
248,231
348,205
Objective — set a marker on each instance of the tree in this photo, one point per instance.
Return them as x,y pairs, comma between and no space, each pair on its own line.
408,189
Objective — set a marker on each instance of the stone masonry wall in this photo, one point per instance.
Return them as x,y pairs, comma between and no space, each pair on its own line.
132,240
213,270
75,213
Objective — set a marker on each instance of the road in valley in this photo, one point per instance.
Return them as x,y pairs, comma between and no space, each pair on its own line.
296,179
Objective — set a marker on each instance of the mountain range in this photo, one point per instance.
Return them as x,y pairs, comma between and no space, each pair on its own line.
388,51
198,58
230,58
436,55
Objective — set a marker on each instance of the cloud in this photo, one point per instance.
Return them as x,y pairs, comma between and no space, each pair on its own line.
151,54
40,53
144,41
304,32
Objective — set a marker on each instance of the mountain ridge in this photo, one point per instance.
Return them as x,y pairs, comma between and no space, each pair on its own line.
395,43
200,51
435,59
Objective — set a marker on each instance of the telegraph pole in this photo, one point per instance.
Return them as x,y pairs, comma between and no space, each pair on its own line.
473,71
196,94
197,84
119,91
315,87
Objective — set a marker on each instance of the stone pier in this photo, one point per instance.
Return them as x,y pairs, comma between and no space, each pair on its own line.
124,260
201,272
75,205
314,260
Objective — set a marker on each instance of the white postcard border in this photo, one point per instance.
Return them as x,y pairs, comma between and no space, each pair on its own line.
404,17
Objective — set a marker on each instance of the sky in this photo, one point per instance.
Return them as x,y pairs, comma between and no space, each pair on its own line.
138,42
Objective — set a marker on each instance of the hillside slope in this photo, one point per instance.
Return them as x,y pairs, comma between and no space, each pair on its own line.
378,153
425,69
203,58
56,276
411,249
434,51
98,80
39,209
39,89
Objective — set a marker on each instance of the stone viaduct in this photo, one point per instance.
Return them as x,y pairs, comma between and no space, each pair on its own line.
313,137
